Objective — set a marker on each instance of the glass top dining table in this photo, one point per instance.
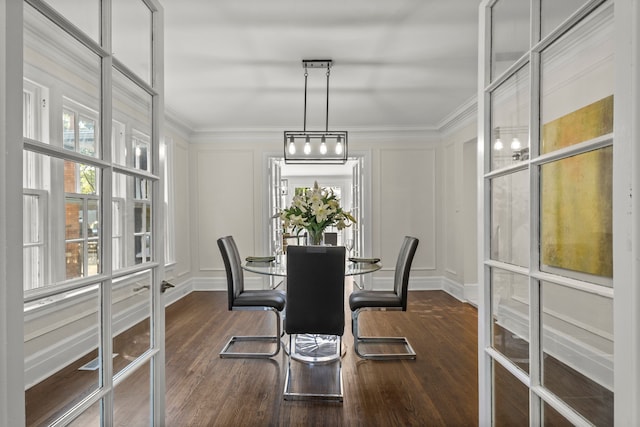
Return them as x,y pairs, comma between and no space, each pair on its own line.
280,269
312,348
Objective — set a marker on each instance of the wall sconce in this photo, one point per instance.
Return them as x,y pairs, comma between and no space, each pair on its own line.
317,146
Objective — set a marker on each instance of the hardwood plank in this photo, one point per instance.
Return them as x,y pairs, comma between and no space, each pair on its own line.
439,388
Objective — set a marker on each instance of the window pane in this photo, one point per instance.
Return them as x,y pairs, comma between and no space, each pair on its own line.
577,339
89,418
554,12
553,418
510,314
134,408
510,121
131,310
74,255
87,136
67,326
510,218
132,36
83,14
69,130
510,34
118,233
32,221
576,216
577,85
73,218
80,179
510,399
93,233
132,108
68,68
132,222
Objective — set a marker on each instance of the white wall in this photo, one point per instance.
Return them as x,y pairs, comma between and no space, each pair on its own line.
459,205
227,178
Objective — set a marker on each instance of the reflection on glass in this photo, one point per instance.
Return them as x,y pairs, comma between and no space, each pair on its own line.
554,12
577,85
576,216
553,418
577,342
132,36
73,216
68,130
117,218
510,218
131,399
68,68
510,398
82,236
76,315
132,222
80,179
141,151
132,110
510,314
131,294
83,14
510,34
510,121
87,136
74,257
89,418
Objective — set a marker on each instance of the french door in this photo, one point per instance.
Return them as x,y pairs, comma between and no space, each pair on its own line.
93,248
546,118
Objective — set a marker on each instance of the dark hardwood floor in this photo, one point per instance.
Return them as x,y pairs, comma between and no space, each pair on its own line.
439,388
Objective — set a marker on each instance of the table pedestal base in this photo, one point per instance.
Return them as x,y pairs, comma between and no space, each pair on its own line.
313,348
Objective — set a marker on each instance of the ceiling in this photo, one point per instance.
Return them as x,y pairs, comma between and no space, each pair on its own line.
236,65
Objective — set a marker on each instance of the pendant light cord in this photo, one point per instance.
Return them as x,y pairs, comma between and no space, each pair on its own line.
304,127
326,128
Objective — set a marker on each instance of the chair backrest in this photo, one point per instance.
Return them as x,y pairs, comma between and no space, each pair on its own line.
331,238
233,267
403,268
315,290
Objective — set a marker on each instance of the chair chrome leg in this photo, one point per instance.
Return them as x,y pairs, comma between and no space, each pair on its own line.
357,340
226,354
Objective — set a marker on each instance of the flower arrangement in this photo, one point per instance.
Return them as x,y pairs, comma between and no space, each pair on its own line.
314,210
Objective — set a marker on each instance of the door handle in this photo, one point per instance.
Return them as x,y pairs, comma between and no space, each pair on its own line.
165,285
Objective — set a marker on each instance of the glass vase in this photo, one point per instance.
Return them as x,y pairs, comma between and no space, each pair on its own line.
315,237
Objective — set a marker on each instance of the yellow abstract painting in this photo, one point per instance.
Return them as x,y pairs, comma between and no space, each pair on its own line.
576,199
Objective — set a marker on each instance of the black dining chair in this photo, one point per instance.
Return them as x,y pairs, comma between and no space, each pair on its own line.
385,300
315,305
241,299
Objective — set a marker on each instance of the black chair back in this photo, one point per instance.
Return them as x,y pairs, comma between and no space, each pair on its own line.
315,290
331,238
403,268
233,267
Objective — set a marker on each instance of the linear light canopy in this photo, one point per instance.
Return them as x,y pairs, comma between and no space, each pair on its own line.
315,146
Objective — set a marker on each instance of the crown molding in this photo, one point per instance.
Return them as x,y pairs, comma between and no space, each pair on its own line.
464,115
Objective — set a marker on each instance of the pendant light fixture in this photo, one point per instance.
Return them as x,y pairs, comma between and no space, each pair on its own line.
317,146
